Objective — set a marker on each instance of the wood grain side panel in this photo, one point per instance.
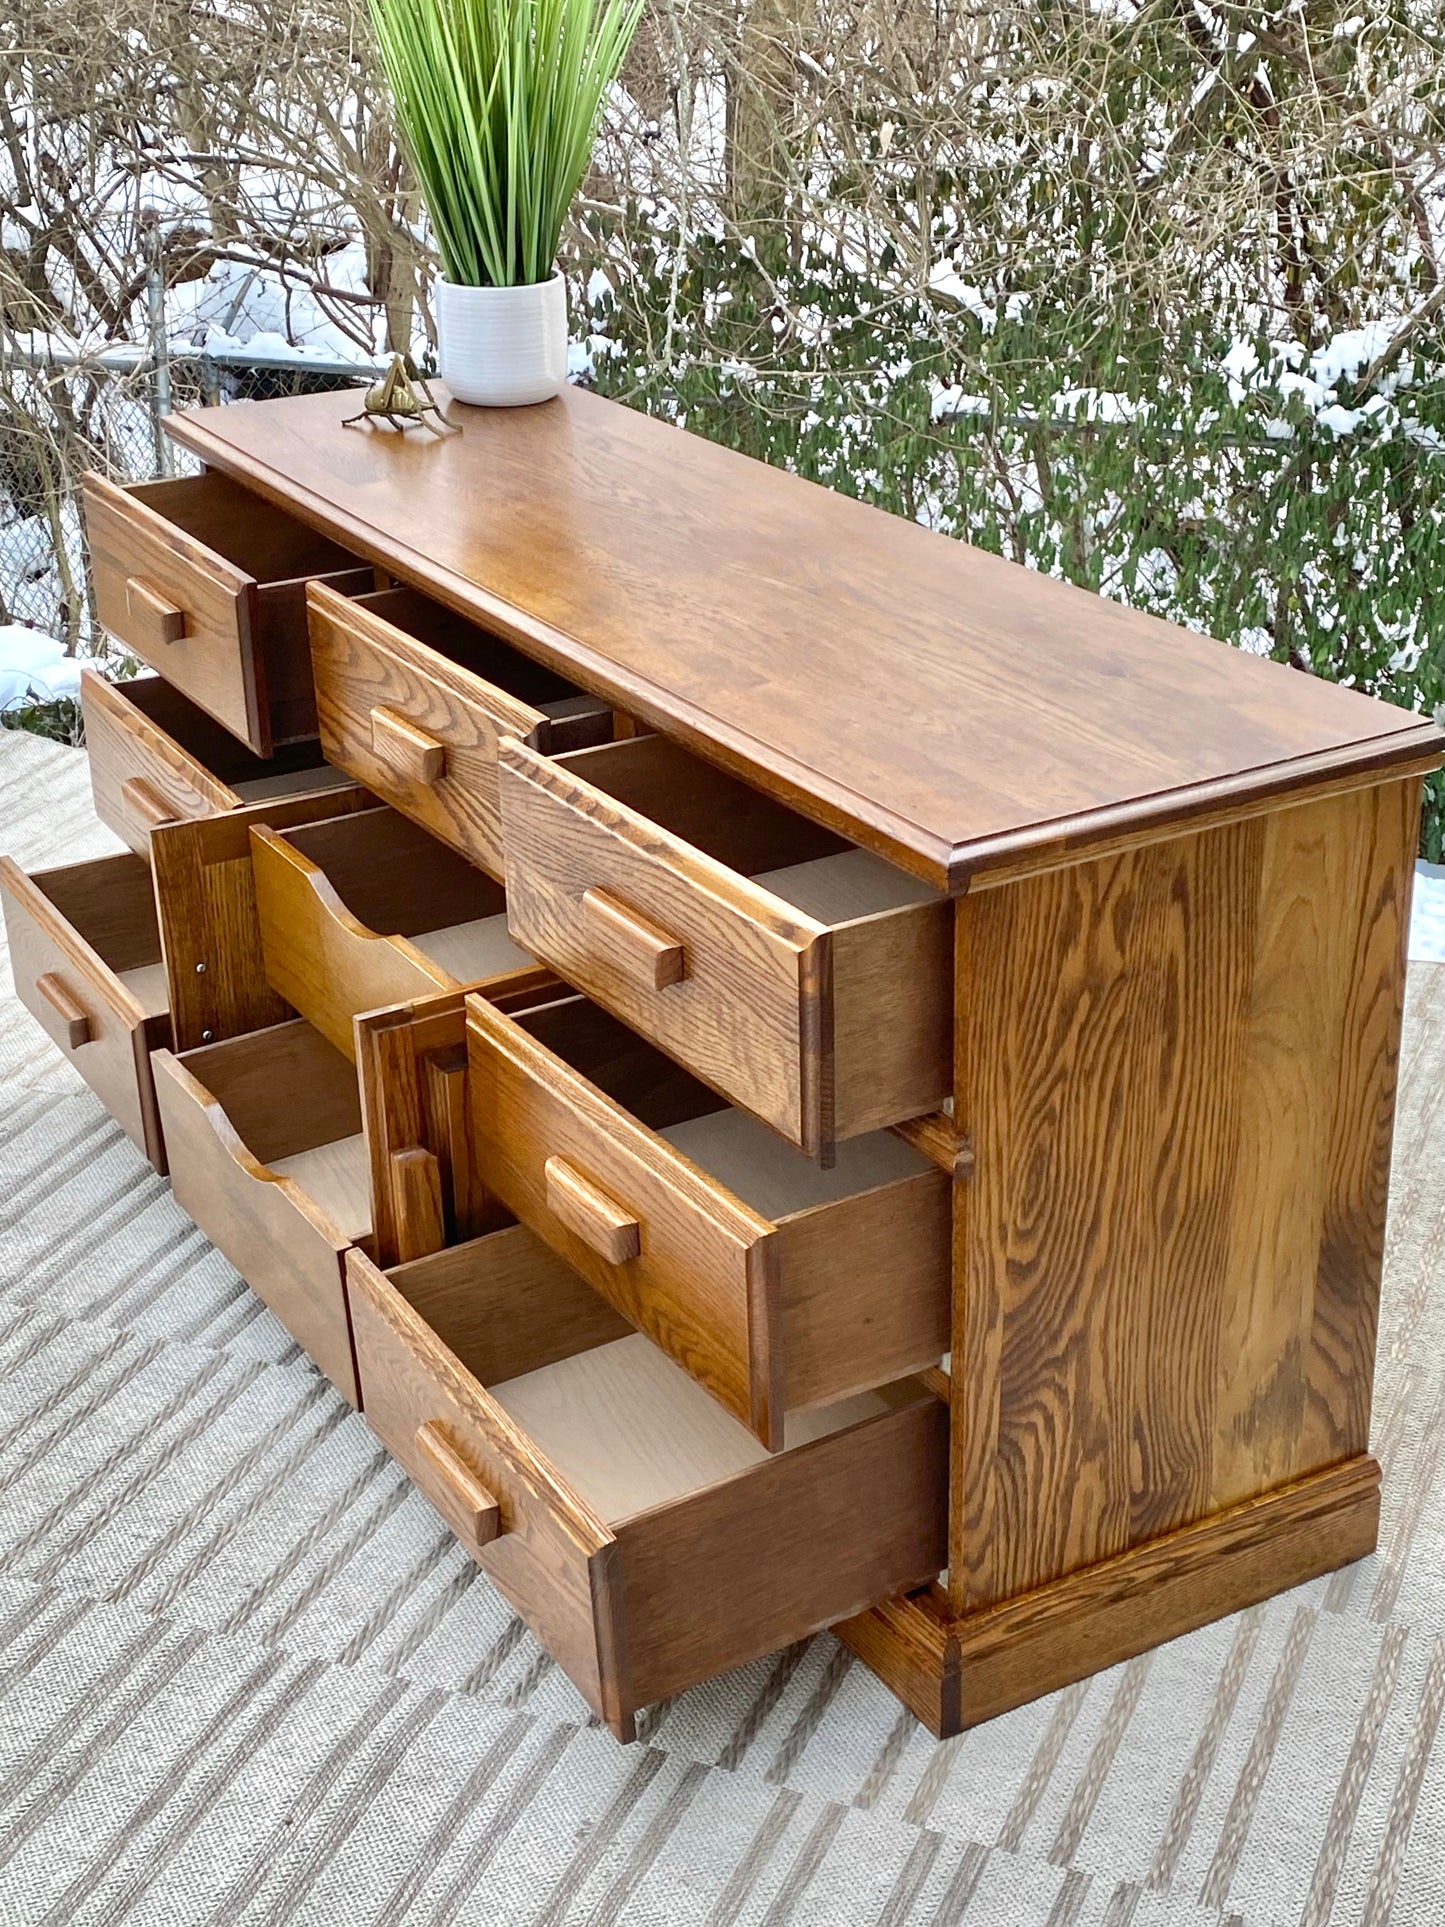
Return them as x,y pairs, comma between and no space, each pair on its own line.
318,956
215,661
1314,1149
804,1539
695,1286
363,663
1196,955
1180,1068
1340,1367
864,1288
43,944
1044,1361
550,1541
739,1016
281,1243
210,929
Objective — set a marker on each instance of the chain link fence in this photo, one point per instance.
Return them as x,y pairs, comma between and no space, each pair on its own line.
62,412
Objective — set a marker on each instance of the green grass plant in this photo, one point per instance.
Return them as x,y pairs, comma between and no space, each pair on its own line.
498,103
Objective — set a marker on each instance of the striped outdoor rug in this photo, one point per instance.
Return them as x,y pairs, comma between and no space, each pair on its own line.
246,1676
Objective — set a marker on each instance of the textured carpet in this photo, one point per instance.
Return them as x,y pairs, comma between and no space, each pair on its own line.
246,1676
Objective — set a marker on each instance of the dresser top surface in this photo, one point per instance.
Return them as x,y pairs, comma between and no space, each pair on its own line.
951,709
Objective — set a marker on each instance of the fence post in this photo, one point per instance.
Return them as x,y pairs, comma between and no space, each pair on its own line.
160,386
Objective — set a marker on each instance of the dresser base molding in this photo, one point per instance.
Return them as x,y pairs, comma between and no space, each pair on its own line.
954,1673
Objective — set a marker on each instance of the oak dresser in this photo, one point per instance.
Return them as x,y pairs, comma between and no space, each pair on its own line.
798,1073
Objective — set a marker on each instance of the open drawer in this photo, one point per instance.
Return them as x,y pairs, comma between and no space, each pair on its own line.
119,956
266,1153
412,700
86,951
206,582
285,1153
776,1285
802,977
644,1535
368,910
156,758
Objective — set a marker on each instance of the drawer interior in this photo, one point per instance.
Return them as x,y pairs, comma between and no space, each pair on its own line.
293,1101
248,531
472,649
733,1147
629,1430
398,880
297,767
821,874
624,1426
111,904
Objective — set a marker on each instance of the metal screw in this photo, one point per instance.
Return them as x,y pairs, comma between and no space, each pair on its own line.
200,970
207,1036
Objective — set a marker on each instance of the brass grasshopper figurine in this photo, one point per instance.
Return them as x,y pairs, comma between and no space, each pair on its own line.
401,397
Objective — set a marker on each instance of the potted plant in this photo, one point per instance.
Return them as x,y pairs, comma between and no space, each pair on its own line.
498,103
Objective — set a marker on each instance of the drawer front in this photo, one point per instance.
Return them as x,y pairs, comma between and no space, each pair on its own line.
683,949
783,1550
82,1004
413,727
287,1251
182,608
677,1255
640,1608
140,775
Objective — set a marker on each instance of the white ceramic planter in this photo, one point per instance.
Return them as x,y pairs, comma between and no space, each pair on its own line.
502,347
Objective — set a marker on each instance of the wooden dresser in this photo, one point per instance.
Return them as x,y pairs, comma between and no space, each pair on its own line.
799,1073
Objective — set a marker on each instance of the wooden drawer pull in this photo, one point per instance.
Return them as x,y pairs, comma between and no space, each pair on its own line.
468,1500
146,803
633,943
410,751
155,619
591,1214
71,1026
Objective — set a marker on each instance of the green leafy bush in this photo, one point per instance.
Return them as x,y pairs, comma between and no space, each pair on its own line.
1210,481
